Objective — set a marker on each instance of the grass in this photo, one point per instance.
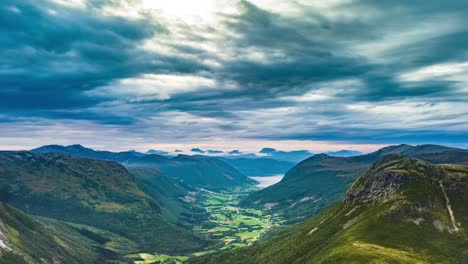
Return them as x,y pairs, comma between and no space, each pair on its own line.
232,226
384,231
145,258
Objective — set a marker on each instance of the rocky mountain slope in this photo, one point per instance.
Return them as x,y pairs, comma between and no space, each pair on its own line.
402,210
320,180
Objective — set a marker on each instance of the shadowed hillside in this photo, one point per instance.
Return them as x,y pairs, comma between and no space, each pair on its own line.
198,171
93,192
28,239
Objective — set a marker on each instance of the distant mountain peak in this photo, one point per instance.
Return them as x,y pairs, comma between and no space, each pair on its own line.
76,146
198,150
267,150
344,153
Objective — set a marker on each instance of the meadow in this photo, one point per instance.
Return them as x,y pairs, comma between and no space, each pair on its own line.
232,226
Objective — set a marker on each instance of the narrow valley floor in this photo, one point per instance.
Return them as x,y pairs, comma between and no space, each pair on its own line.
231,225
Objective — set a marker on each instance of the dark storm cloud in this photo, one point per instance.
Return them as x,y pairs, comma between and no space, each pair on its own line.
264,64
316,49
50,54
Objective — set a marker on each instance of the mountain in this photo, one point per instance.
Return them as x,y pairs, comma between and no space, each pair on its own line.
29,239
402,210
198,171
92,192
197,150
259,166
157,152
320,180
291,156
80,151
344,153
202,172
177,200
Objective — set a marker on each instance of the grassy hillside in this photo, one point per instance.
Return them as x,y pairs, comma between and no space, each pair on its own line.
27,239
92,192
178,202
204,172
321,180
400,211
198,171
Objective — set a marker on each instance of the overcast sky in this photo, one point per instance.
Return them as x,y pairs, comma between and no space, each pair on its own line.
217,74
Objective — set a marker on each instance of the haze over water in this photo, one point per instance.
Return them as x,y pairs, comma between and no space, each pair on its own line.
267,181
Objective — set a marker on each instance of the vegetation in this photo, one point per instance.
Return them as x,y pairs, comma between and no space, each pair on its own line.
91,192
402,210
321,180
40,240
198,171
394,213
232,226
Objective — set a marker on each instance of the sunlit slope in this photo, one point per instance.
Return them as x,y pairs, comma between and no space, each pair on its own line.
401,210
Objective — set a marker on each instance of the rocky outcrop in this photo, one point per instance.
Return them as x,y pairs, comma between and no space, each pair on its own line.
382,181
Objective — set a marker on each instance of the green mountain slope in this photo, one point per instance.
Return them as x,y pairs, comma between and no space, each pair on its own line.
27,239
93,192
401,210
198,171
178,201
259,166
319,181
203,172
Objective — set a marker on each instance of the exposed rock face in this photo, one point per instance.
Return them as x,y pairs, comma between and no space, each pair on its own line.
3,238
382,180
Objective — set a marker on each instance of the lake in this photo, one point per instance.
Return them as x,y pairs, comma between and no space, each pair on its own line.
268,180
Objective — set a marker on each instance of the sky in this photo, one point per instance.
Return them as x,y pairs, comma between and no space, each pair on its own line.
218,74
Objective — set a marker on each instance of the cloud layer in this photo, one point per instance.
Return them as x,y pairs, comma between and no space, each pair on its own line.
342,71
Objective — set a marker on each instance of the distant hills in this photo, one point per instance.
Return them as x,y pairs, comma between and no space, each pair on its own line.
260,166
198,171
402,210
267,162
292,156
320,180
299,155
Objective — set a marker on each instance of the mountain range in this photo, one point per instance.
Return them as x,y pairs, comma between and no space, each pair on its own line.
401,210
320,180
98,193
71,204
198,171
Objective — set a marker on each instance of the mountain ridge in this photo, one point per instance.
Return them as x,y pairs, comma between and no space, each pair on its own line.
205,172
93,192
316,182
401,210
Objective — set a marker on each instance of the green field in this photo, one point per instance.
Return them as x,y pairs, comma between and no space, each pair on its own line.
234,225
231,225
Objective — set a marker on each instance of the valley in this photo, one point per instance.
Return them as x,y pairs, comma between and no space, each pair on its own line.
74,208
230,225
